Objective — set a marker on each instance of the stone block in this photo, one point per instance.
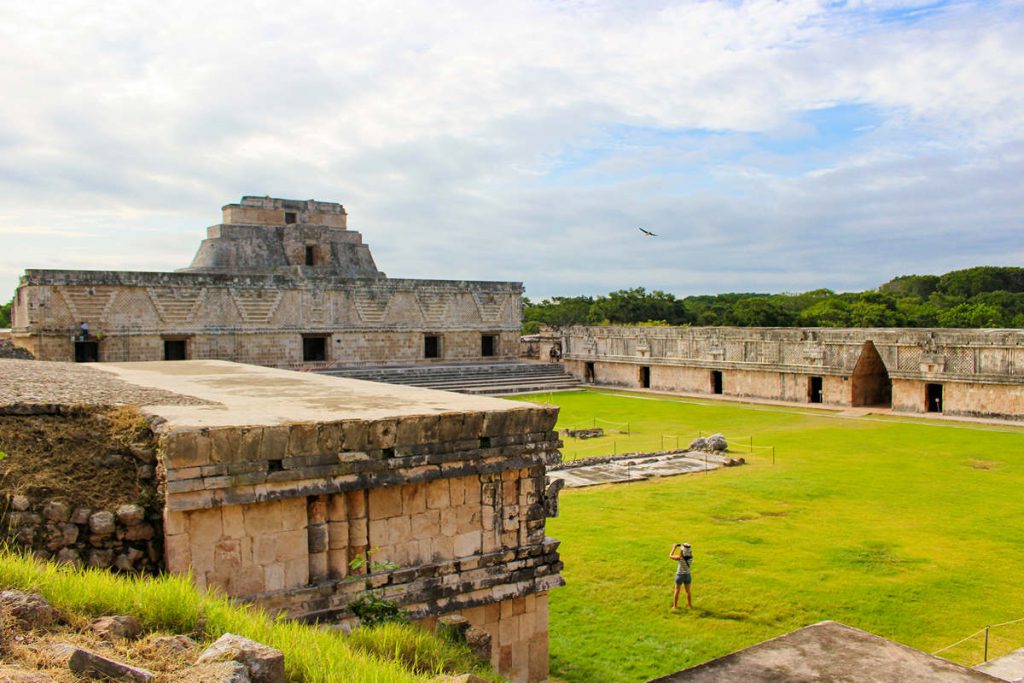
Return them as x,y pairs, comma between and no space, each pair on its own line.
538,665
102,523
185,449
91,665
472,426
378,534
426,525
438,494
265,549
57,511
227,555
273,577
467,519
449,522
358,533
233,521
467,544
381,434
177,553
81,516
292,545
337,562
385,502
296,573
316,511
449,427
224,445
30,610
330,436
293,514
274,443
414,498
302,439
442,549
119,627
264,664
250,445
355,435
318,538
399,530
318,566
355,504
337,510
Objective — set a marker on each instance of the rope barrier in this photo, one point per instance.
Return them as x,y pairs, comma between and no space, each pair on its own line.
984,630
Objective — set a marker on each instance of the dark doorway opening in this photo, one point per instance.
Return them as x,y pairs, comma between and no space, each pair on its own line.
488,345
870,383
310,256
431,346
588,372
814,390
314,349
87,352
175,349
716,381
933,398
645,377
290,217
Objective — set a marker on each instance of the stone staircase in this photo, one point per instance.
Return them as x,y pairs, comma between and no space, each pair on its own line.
508,377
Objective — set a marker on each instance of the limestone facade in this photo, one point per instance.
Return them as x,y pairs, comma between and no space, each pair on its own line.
279,283
274,488
959,372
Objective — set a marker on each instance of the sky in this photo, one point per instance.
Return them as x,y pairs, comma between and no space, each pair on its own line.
772,146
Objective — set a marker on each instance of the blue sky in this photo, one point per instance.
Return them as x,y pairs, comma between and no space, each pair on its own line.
773,146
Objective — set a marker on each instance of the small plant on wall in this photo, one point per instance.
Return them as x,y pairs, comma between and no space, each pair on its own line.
371,607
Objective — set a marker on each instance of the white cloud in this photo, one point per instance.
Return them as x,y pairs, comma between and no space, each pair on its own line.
478,140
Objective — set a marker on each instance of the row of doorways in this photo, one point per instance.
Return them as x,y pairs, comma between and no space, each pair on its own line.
89,351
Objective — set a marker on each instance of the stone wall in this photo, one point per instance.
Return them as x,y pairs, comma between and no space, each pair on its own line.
262,320
111,520
281,283
982,371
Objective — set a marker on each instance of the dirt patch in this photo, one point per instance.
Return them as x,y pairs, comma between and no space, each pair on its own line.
88,458
983,464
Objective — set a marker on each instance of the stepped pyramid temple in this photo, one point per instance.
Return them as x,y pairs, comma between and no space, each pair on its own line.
278,282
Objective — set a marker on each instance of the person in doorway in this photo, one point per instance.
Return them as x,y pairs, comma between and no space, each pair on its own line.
84,327
682,554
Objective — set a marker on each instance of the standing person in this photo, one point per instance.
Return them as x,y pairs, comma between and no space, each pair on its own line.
682,554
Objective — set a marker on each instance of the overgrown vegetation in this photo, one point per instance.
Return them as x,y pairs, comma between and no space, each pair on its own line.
976,297
906,528
392,652
5,314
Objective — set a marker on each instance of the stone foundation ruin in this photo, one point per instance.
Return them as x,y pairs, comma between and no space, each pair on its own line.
273,482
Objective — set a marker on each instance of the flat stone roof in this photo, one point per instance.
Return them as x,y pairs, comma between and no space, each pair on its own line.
242,395
824,653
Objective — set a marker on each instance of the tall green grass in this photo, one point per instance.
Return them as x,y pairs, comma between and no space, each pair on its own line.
907,529
386,654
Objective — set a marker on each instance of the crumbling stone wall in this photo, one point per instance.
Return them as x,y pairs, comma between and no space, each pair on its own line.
457,501
82,487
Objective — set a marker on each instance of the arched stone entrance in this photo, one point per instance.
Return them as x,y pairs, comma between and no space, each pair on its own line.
870,383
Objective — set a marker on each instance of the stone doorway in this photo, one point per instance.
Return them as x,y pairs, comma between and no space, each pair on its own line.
716,381
815,394
645,377
87,352
588,372
870,383
933,398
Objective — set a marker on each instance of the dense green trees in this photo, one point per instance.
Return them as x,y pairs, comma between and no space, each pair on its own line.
976,297
5,314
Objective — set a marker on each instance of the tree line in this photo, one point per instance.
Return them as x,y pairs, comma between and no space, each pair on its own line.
984,296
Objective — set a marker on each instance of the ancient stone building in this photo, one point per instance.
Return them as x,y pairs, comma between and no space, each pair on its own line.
280,283
274,482
959,372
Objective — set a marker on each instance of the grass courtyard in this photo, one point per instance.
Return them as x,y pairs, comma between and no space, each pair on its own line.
909,529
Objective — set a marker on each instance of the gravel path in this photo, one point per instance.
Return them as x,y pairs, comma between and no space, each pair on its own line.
42,382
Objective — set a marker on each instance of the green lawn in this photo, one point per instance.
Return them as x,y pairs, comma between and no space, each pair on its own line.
910,530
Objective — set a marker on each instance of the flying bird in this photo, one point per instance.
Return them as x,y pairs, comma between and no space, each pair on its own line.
648,233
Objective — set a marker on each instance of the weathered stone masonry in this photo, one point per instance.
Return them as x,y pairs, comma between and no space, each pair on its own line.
959,372
270,500
279,283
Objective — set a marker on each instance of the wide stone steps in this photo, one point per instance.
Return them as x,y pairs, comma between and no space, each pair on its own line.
478,378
